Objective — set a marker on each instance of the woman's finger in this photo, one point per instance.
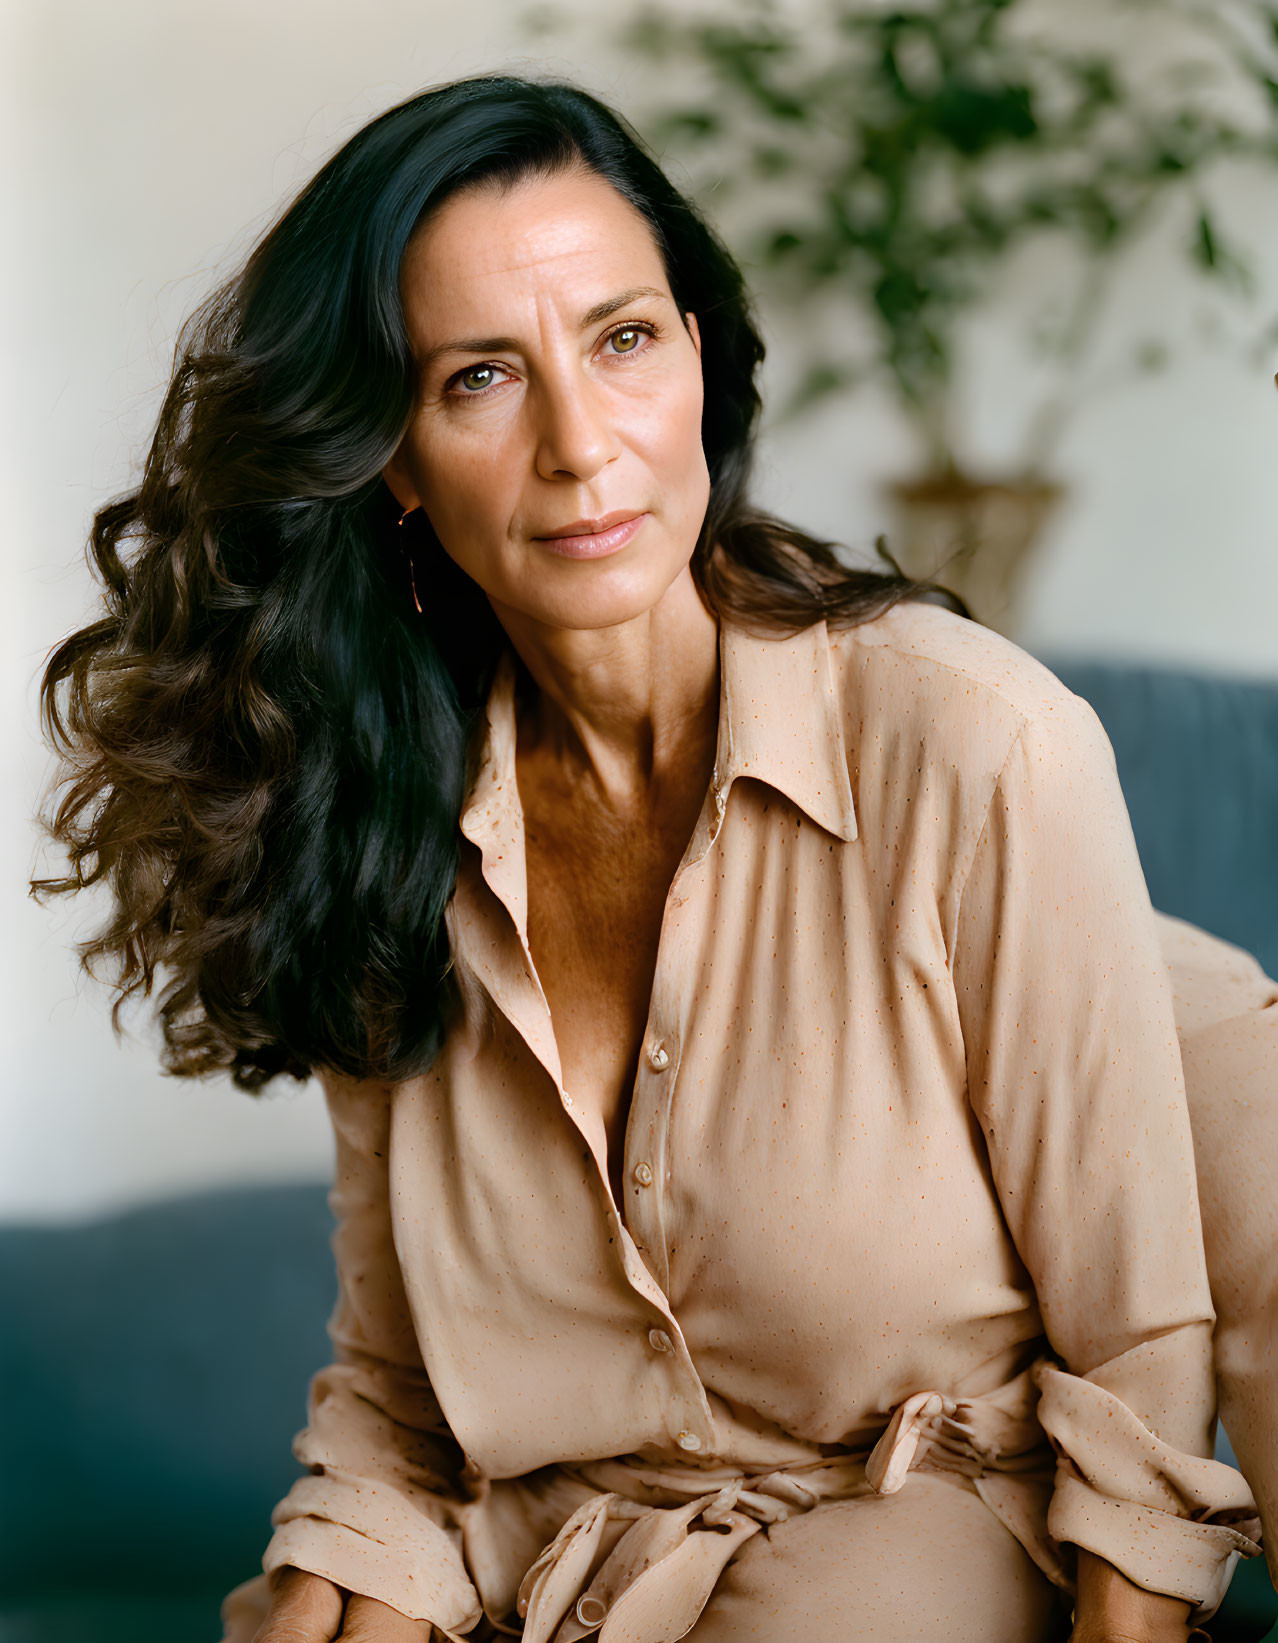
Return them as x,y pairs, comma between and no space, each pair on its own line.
305,1608
368,1621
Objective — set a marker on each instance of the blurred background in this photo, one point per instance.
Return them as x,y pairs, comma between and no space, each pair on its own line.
1017,268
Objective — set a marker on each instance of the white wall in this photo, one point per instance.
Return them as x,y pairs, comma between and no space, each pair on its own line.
154,138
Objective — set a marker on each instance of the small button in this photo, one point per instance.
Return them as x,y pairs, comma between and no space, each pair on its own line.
658,1340
688,1440
567,1101
658,1058
591,1611
643,1174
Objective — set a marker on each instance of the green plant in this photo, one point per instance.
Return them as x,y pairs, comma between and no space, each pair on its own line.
894,156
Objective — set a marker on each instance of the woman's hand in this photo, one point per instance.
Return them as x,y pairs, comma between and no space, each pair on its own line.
306,1608
1113,1609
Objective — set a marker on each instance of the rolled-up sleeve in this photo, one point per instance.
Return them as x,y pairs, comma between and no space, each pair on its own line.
373,1514
1074,1074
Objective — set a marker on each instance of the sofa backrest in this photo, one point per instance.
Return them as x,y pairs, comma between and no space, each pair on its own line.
153,1368
1198,760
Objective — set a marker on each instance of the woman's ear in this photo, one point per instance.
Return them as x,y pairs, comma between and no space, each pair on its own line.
400,484
694,331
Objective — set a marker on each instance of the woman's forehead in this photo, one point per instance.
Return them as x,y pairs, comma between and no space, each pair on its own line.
570,238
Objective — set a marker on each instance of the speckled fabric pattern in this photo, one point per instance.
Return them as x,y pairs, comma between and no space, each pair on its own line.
1227,1018
910,1228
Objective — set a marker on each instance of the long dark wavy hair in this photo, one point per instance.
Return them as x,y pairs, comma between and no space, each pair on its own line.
264,747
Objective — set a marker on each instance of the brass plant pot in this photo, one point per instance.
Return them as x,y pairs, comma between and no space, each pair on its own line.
974,537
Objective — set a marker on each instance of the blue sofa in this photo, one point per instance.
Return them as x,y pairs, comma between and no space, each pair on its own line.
153,1365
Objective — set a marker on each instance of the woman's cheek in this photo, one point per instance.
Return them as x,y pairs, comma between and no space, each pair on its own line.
662,416
676,440
464,468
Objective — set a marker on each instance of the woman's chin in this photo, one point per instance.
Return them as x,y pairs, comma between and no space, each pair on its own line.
595,594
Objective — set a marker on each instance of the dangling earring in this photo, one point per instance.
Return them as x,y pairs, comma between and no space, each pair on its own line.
408,554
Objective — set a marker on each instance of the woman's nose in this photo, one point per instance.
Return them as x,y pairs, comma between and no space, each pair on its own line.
576,436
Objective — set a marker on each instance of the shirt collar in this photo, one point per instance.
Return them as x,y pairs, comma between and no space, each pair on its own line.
780,722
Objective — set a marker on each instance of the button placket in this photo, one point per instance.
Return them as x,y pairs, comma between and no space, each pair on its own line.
643,1133
659,1060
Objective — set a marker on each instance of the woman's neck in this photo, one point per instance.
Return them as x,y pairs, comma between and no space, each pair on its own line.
623,709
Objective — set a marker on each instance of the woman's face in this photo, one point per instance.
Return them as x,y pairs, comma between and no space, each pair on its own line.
559,389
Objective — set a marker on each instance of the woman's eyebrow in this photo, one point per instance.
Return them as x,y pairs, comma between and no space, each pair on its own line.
500,345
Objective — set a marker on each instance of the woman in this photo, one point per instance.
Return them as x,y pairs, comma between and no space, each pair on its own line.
765,1189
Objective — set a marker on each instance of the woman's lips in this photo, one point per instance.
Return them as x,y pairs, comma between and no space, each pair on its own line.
594,544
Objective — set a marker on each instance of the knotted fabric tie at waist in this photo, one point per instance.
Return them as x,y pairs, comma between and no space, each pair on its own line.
637,1562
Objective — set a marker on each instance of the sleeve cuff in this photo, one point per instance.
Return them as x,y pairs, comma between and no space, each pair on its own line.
370,1537
1170,1521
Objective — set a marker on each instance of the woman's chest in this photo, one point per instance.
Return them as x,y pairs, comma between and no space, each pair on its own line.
802,1175
596,898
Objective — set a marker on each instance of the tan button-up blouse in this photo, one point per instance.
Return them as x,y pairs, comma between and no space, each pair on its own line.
908,1178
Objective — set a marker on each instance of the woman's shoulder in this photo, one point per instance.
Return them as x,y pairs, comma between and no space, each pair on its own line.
934,708
922,674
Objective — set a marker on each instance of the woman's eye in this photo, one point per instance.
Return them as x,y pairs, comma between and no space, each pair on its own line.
476,381
627,339
477,378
